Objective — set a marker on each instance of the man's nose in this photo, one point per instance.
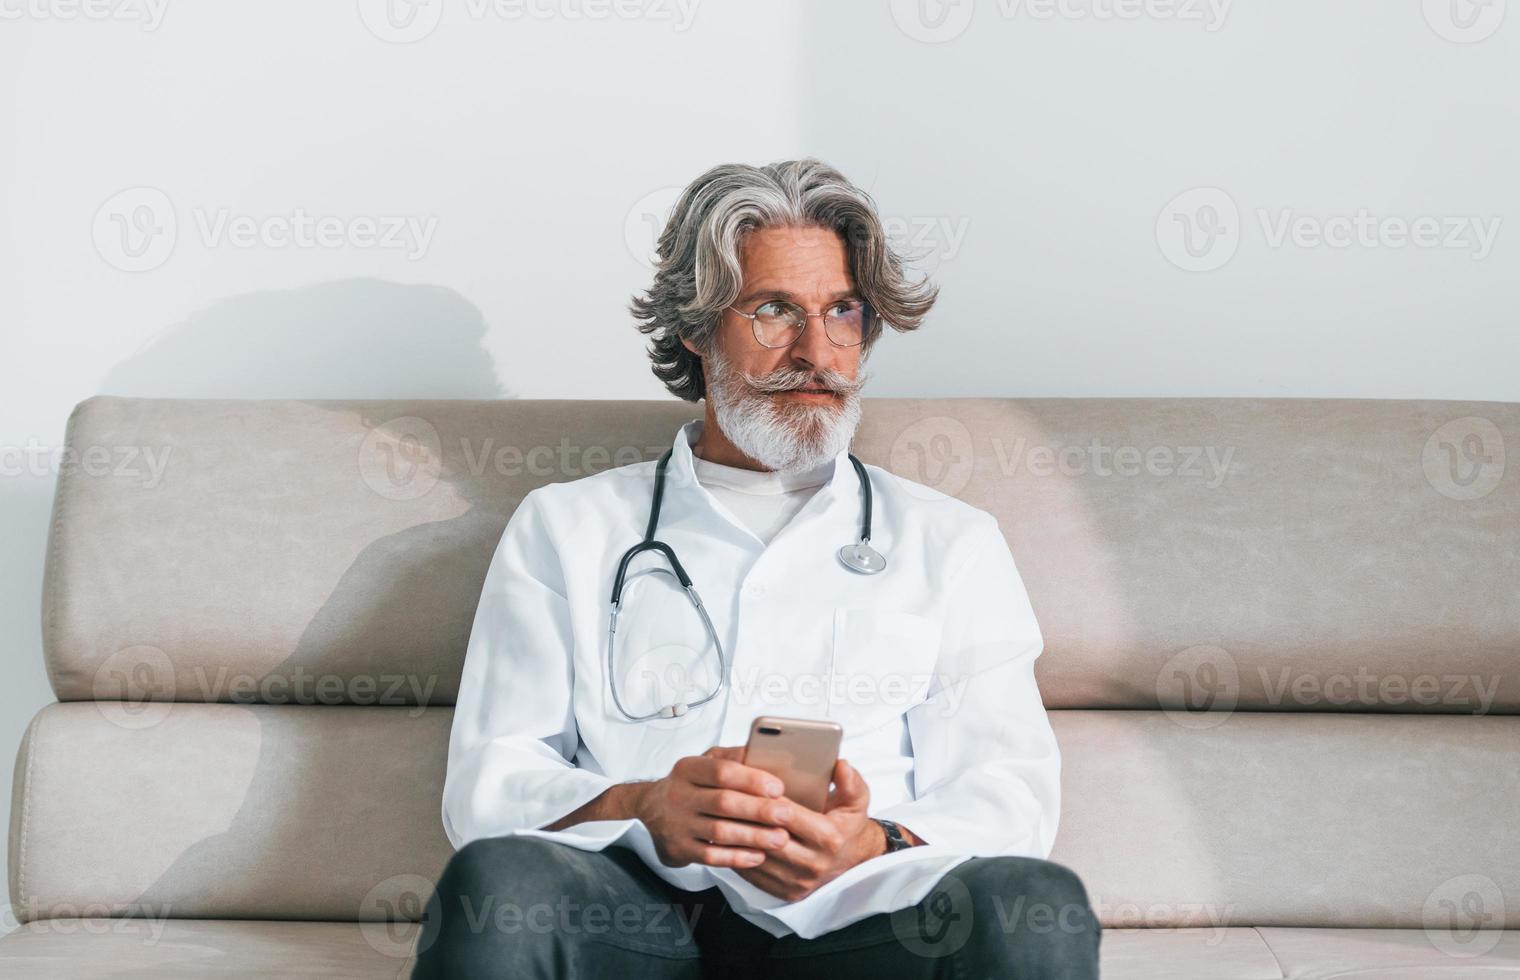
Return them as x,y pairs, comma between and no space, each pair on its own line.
814,349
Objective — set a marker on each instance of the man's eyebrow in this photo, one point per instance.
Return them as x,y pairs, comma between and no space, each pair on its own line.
753,295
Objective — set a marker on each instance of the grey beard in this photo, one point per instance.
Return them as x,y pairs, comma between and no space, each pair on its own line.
785,439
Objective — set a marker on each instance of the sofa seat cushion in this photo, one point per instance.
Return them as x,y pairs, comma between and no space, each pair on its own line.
1395,954
185,948
1274,953
1235,953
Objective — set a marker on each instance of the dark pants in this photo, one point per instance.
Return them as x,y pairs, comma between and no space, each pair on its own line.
525,907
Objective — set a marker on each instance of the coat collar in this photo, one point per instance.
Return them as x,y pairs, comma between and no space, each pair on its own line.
681,474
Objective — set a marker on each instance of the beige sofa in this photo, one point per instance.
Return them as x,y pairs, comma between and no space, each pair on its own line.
255,613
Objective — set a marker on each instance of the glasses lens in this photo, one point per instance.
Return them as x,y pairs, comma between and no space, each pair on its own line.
847,323
777,324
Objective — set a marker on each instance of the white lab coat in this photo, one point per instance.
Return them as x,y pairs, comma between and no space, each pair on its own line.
929,666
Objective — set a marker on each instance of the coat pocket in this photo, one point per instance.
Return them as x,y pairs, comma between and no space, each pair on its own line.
882,665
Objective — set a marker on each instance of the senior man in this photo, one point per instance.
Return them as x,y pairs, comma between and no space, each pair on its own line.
605,822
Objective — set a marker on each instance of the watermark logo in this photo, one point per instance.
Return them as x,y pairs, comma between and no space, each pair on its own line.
940,924
1464,459
1464,21
401,21
667,680
932,21
935,459
1199,687
646,220
1199,229
390,913
935,456
135,230
663,655
1463,915
134,687
926,241
401,459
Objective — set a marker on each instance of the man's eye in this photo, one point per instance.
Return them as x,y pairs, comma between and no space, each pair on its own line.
844,307
772,310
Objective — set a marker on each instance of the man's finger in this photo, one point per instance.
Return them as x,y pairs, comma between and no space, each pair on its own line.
765,880
718,856
793,859
740,833
812,827
737,805
734,752
729,774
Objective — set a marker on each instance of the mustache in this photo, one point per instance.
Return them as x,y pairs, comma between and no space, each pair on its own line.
791,379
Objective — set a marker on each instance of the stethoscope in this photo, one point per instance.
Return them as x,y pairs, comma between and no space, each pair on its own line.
857,557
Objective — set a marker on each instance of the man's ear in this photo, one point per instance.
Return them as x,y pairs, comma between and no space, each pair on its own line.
690,346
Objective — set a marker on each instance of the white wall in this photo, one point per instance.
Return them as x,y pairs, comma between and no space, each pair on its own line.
1040,152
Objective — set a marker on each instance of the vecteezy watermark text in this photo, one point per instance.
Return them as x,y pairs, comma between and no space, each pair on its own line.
938,21
409,21
149,14
1201,229
137,229
142,464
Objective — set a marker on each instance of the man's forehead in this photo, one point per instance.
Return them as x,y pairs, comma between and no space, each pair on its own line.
790,291
796,261
794,236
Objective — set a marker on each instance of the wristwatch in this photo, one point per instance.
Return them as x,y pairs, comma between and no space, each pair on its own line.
895,839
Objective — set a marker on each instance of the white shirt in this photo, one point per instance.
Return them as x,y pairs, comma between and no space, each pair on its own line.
928,665
763,500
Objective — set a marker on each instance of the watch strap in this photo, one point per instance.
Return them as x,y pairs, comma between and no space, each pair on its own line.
895,839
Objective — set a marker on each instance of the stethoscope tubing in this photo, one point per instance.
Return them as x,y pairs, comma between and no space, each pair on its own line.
651,544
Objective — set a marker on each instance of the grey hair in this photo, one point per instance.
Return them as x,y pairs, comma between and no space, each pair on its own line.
699,273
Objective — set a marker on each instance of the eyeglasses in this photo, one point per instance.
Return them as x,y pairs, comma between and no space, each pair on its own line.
778,323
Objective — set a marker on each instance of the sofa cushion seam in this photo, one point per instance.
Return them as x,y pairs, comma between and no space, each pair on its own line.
26,817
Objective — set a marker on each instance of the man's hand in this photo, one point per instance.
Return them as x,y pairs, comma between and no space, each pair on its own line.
823,846
713,809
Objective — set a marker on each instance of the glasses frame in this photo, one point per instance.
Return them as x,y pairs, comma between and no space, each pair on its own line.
869,311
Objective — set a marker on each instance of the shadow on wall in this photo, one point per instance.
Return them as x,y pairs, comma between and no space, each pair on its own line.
353,338
293,806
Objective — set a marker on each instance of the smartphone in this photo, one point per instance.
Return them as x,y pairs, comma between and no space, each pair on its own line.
800,752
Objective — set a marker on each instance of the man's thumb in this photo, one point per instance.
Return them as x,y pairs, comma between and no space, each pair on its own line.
849,787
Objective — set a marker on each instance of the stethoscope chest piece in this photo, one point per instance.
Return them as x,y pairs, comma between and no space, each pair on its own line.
861,557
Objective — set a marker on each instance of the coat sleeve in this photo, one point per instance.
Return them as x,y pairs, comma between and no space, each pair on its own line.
514,738
986,766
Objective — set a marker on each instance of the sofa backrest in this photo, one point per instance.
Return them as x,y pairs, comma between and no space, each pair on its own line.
1269,625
